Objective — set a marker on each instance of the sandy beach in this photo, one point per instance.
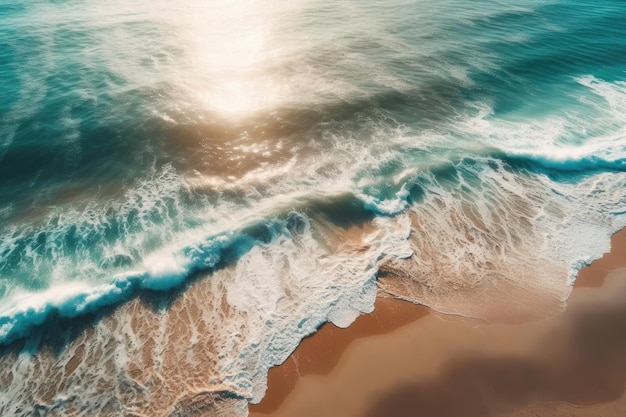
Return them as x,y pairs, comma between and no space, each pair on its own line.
312,208
407,360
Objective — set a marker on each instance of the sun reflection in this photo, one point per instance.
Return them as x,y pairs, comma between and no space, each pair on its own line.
229,47
229,97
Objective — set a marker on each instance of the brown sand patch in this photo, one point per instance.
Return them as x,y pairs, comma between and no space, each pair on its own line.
314,357
616,259
570,364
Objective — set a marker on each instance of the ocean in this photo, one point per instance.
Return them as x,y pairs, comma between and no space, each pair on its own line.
188,189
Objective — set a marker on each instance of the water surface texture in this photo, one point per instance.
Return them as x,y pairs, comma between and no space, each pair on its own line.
187,188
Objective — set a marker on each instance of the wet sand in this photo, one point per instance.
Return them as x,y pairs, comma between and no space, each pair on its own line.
406,360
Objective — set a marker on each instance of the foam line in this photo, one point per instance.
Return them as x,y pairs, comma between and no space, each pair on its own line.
162,271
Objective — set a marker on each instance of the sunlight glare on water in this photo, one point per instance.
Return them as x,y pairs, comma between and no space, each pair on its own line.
230,63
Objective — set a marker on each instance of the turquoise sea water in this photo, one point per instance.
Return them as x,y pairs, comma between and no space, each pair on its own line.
144,144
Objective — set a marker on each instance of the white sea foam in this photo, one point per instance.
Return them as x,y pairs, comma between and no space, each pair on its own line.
289,287
573,142
448,201
584,215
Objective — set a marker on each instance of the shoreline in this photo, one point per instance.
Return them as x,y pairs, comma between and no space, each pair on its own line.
404,358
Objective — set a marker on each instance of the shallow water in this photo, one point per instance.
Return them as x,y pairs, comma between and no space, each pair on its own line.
172,175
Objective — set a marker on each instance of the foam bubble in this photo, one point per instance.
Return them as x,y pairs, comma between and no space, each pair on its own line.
164,270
